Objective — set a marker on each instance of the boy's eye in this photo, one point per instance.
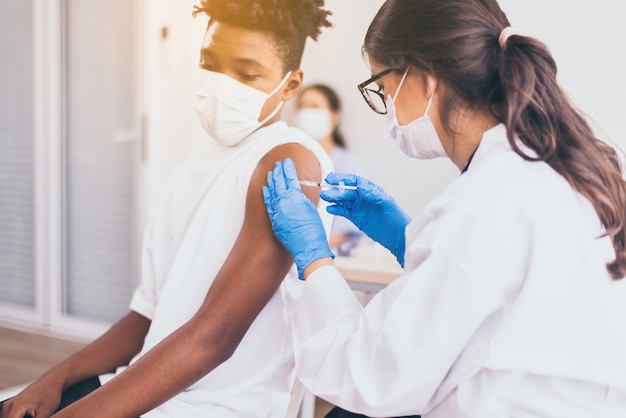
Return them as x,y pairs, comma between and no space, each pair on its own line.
248,76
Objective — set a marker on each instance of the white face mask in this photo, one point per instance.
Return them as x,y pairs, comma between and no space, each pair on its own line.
229,110
315,122
419,138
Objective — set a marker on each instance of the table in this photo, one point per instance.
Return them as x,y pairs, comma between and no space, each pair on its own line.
369,274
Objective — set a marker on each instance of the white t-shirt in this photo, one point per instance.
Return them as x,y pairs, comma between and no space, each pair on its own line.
505,308
191,233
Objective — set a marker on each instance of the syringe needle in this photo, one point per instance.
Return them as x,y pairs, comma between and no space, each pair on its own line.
326,185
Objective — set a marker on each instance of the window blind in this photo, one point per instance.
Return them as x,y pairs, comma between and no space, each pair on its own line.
17,235
99,177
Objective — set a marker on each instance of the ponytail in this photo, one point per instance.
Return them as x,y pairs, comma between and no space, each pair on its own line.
538,112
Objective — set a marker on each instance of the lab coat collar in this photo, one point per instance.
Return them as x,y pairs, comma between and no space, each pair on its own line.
495,140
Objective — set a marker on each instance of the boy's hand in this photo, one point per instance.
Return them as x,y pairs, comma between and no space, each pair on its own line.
39,400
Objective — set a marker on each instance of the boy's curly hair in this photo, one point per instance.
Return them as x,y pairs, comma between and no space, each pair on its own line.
288,22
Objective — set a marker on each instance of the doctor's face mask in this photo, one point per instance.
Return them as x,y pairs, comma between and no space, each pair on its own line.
228,110
418,139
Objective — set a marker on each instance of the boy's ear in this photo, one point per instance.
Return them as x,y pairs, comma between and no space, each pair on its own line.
293,85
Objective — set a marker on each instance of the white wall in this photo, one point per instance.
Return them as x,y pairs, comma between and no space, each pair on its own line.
588,42
168,83
587,39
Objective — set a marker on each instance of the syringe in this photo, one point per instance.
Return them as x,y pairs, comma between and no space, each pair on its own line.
340,186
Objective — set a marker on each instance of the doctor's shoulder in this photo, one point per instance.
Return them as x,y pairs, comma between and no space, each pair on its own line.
483,206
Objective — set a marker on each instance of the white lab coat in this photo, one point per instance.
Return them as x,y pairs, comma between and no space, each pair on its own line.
505,308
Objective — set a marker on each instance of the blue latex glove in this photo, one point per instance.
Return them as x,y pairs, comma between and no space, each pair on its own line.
371,209
294,218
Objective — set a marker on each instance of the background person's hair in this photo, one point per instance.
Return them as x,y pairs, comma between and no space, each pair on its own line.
288,22
457,42
334,103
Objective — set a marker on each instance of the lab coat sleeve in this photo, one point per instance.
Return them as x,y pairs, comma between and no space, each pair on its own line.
389,358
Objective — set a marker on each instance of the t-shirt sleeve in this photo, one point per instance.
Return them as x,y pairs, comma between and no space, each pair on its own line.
144,298
155,245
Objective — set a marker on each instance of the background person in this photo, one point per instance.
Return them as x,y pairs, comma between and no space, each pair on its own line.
319,114
513,298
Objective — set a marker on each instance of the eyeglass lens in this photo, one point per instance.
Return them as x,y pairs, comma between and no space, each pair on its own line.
375,98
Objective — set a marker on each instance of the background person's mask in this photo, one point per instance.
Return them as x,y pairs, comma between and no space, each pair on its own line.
229,110
315,122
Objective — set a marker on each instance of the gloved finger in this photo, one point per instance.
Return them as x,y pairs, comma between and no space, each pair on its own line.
270,180
338,211
271,186
347,179
267,198
291,176
339,196
371,191
279,179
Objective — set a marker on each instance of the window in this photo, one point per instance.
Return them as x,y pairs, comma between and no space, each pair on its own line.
17,147
69,163
100,159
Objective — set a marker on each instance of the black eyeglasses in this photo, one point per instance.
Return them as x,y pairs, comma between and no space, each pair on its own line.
372,93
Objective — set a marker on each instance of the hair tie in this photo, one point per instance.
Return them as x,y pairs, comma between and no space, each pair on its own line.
505,35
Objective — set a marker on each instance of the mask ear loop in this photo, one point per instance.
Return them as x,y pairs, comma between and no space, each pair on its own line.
282,102
280,84
400,85
430,100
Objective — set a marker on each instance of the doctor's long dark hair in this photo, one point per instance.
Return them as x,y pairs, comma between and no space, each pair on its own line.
457,41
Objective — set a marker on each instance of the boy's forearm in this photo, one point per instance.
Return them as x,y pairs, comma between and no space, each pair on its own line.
113,349
169,368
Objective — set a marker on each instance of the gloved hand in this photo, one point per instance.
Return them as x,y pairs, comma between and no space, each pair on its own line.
371,209
294,219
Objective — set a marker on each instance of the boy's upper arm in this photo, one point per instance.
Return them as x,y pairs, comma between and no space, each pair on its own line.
258,263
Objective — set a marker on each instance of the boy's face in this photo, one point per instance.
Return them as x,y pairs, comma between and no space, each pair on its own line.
251,58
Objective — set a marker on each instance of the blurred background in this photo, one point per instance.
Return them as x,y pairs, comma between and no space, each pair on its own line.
96,111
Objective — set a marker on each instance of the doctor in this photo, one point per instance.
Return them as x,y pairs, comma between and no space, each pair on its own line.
513,302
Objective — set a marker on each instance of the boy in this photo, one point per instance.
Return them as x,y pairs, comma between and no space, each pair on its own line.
207,334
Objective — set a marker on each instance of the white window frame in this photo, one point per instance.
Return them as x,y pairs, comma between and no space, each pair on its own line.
12,314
